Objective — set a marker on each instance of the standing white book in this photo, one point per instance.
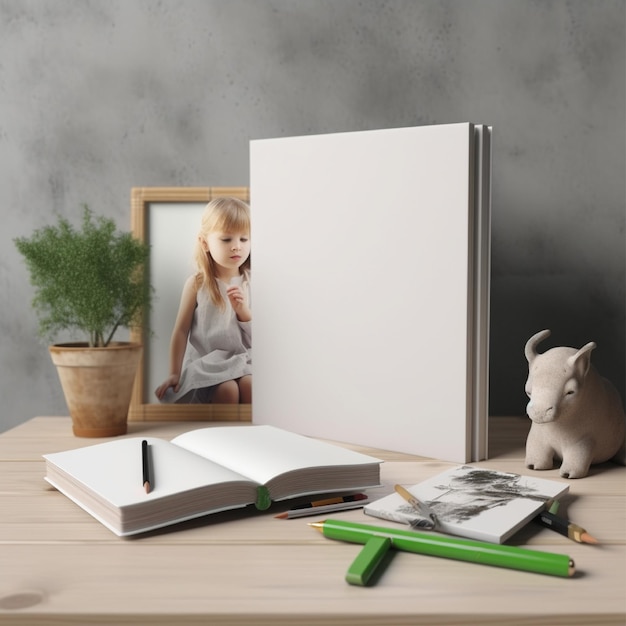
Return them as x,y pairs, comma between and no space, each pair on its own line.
371,287
477,503
203,471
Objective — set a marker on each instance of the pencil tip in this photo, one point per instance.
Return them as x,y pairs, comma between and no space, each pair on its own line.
282,516
146,486
318,525
587,538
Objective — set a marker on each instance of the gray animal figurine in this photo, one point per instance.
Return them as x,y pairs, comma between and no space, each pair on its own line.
577,415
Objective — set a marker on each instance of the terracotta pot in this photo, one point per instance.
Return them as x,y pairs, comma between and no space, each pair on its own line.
97,384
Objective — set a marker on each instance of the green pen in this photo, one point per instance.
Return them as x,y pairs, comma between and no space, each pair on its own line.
451,547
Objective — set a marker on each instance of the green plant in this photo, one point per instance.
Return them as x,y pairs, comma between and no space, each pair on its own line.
93,280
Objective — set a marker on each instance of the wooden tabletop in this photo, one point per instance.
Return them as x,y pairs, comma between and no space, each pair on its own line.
58,565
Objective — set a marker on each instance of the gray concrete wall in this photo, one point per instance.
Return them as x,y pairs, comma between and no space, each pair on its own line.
98,96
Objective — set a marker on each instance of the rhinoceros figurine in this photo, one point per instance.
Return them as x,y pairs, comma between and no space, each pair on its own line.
577,415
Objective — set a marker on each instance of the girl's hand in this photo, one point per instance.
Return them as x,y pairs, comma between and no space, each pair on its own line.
171,381
238,302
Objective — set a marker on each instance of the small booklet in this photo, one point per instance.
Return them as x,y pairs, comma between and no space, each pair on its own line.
203,471
473,502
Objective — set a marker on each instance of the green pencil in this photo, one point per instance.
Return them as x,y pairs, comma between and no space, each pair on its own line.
451,547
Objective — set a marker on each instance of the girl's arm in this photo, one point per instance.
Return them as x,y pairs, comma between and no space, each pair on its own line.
180,333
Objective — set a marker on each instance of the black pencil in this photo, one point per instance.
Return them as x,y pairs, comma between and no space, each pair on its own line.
145,463
565,527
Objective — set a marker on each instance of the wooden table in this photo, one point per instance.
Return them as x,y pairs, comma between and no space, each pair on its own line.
58,565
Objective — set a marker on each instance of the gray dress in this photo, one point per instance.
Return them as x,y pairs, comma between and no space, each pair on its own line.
219,348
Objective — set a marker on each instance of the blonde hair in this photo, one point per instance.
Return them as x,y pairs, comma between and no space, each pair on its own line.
228,215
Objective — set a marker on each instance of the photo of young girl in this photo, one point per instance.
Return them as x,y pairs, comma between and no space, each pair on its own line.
210,348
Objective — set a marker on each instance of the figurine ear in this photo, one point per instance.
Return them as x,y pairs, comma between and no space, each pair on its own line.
582,359
530,350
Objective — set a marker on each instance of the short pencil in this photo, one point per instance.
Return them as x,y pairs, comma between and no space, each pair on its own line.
145,465
565,527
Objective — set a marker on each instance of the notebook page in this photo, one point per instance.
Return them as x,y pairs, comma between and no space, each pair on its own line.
113,470
264,452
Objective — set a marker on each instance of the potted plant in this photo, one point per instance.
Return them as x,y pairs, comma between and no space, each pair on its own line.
94,281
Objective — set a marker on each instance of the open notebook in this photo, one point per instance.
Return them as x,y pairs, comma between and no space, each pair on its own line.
203,471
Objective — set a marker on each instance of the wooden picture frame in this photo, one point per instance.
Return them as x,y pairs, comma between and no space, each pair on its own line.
144,202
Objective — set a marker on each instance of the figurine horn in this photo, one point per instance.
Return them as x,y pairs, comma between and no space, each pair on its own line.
531,345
